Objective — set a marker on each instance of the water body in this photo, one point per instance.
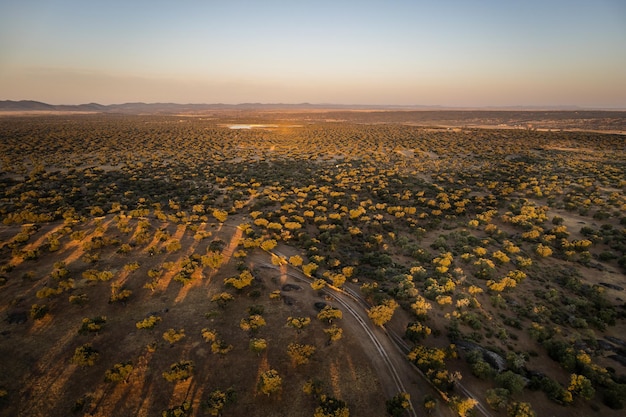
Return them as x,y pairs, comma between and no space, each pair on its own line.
248,127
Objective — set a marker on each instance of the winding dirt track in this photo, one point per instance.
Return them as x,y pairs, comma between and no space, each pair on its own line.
391,348
405,349
397,373
366,325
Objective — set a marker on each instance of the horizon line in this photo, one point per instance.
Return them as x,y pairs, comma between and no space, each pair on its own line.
552,107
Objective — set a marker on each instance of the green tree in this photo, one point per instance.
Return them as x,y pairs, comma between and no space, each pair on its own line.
520,409
516,361
331,407
482,369
511,381
417,331
497,398
398,404
555,391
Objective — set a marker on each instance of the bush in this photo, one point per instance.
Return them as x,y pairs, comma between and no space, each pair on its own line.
85,355
38,311
555,391
614,396
182,410
520,409
92,325
120,372
331,407
172,336
482,369
148,323
179,371
511,381
497,398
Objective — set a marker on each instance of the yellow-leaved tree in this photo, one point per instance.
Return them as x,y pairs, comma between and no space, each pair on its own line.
270,382
220,215
243,280
382,313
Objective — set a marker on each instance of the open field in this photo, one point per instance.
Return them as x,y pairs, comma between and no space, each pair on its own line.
292,263
548,120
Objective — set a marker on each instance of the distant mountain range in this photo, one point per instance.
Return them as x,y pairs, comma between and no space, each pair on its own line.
171,108
30,105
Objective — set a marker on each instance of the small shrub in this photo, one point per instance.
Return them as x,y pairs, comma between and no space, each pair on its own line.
92,325
172,336
179,371
120,372
148,323
85,355
38,311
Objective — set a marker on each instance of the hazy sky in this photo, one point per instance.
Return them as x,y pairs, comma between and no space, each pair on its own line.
453,53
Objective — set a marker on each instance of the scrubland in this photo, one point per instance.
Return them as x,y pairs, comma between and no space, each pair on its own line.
170,265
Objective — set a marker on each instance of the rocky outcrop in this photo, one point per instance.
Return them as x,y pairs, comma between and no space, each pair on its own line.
495,360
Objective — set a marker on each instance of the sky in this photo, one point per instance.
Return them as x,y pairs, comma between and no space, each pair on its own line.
458,53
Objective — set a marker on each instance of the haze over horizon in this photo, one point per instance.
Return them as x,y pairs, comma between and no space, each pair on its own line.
453,53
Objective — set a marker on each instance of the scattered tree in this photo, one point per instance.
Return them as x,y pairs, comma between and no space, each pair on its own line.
270,382
331,407
398,404
85,355
300,354
179,371
382,313
172,336
149,322
258,345
298,323
120,372
328,314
